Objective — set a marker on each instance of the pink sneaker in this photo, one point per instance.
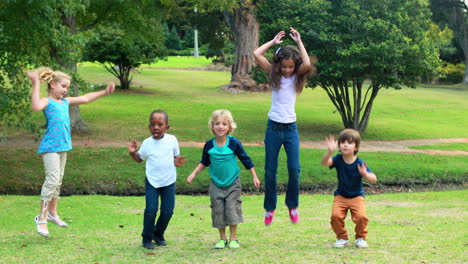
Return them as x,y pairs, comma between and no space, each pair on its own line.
294,215
269,217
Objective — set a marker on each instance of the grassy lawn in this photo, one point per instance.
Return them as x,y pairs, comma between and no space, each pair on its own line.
403,228
444,146
112,171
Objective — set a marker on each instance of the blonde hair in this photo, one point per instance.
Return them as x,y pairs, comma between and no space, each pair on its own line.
222,113
351,136
48,75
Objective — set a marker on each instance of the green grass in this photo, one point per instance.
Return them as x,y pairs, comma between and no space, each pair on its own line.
181,62
112,171
404,228
444,146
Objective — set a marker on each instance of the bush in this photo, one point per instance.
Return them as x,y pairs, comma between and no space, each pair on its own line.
452,73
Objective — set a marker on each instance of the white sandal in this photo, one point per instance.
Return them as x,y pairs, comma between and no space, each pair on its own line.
56,220
42,232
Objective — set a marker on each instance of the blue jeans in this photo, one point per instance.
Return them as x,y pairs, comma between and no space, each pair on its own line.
277,135
167,194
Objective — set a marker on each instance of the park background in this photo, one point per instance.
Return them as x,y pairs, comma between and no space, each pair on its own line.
407,227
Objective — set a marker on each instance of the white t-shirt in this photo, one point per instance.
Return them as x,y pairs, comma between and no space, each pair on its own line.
283,101
159,156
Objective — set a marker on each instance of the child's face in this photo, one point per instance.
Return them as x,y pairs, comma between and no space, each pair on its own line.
158,125
347,148
221,127
60,88
287,67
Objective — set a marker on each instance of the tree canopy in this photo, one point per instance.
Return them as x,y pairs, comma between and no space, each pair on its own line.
381,41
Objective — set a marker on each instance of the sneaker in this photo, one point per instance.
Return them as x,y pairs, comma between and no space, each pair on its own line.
234,244
56,220
220,244
361,243
294,215
148,245
160,241
340,243
269,217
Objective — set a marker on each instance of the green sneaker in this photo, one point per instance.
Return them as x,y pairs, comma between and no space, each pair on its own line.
220,244
234,244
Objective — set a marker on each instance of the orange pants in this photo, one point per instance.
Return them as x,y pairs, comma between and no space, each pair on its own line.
340,208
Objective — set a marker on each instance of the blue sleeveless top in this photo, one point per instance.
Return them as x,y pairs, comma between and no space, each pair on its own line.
57,137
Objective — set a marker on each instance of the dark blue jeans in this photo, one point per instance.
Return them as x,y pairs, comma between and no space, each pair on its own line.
167,194
277,135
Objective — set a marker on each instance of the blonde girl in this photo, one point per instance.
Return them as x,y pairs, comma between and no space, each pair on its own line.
57,139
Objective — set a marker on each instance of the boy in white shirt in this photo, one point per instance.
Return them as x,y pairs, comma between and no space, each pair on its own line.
162,155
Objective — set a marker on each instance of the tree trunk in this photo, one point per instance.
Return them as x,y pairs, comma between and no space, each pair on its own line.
77,124
244,27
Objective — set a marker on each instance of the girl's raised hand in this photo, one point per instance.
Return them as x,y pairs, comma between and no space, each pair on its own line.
331,143
278,38
295,35
110,88
33,76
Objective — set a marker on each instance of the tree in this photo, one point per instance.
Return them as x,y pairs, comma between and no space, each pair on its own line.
381,41
120,50
51,33
240,16
454,13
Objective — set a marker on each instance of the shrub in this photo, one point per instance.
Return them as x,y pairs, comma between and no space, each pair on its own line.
452,73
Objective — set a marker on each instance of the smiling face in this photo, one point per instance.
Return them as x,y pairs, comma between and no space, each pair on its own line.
158,125
221,126
287,67
59,88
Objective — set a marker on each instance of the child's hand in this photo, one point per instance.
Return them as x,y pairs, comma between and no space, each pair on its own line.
190,178
33,76
110,88
295,35
179,161
256,182
133,146
362,169
277,39
331,143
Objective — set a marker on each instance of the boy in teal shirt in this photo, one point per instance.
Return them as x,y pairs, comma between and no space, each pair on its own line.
225,188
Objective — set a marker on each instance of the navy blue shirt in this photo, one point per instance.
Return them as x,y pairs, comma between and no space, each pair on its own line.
349,179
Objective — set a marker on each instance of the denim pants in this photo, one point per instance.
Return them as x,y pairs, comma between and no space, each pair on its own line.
277,135
167,194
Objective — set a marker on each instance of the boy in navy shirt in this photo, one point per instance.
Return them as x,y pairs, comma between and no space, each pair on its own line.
349,195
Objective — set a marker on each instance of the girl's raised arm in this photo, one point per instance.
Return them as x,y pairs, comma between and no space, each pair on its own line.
258,53
37,103
89,97
305,66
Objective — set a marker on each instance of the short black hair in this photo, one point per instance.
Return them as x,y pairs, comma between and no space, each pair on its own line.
166,116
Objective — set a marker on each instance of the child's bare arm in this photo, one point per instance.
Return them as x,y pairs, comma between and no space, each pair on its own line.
89,97
37,103
132,149
258,53
305,66
194,173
